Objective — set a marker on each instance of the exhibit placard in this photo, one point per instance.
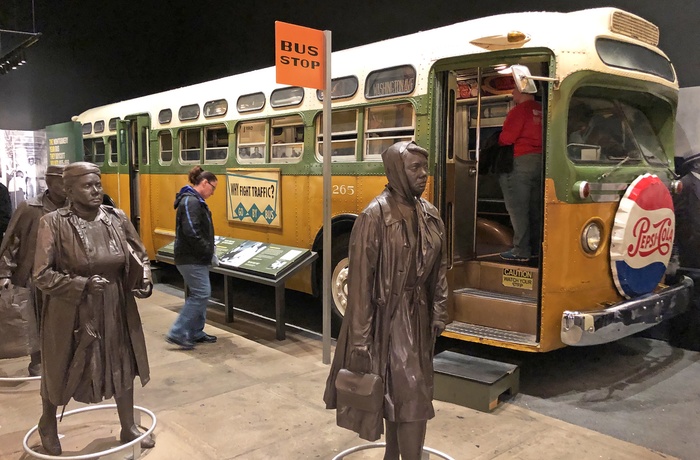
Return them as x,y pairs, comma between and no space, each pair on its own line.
263,259
253,197
65,143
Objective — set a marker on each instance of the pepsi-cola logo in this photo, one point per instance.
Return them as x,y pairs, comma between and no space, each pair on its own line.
651,237
642,236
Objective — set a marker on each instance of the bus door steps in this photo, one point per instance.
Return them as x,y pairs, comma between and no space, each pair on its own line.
461,330
498,276
496,310
474,382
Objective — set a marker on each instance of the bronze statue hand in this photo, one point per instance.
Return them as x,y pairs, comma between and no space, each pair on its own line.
92,330
145,290
438,328
96,284
360,359
5,283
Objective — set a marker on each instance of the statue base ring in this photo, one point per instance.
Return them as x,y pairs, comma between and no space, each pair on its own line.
376,445
136,443
18,379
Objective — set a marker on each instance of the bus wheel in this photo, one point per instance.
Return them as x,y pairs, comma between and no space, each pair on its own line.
339,278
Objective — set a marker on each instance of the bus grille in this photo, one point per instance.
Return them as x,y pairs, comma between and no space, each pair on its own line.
634,27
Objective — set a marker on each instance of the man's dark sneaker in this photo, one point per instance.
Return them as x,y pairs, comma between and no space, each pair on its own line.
206,338
182,343
511,257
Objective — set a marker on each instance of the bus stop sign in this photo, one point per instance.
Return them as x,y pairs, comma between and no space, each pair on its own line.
299,55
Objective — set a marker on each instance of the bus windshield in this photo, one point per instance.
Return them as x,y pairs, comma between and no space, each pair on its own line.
608,130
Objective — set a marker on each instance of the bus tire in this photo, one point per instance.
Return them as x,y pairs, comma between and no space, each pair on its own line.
339,274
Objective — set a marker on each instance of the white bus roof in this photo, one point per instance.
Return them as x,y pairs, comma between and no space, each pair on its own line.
561,33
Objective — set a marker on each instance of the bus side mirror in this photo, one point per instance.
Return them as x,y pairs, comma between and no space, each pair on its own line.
523,79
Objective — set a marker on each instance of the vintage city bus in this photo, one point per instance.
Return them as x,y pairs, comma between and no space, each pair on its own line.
608,96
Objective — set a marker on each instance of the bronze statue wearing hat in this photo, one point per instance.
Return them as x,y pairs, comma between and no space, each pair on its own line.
397,306
19,244
92,340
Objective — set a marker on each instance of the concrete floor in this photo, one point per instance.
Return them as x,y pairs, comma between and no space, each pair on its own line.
251,397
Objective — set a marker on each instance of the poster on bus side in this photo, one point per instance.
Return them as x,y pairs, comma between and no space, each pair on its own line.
253,197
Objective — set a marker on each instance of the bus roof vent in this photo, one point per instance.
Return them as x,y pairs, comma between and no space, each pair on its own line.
634,27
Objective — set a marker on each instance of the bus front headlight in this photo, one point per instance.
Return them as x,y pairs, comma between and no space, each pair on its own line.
590,237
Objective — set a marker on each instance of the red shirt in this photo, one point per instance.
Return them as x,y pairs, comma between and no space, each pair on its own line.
523,128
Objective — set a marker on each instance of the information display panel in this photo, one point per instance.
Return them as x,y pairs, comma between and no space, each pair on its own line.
262,259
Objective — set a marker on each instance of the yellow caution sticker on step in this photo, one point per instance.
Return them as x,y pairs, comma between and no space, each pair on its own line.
517,278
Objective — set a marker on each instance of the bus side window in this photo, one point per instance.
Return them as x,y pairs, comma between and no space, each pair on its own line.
216,149
88,155
99,151
386,125
343,135
113,154
251,142
287,134
190,144
166,148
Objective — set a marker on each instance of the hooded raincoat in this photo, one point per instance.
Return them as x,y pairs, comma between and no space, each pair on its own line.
396,289
70,250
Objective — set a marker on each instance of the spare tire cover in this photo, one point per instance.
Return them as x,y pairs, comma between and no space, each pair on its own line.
642,236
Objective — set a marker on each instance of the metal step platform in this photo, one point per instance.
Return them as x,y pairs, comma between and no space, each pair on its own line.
474,382
459,329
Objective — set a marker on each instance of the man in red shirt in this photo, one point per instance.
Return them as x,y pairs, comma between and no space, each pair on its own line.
522,187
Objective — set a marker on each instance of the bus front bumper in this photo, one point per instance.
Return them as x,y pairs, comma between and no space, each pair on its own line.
583,328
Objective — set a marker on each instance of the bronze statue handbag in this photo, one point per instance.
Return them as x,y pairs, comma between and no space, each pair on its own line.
359,391
17,323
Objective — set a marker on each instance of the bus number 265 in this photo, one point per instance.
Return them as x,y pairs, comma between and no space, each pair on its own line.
343,190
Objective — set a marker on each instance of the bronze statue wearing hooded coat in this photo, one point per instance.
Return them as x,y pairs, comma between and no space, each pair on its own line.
93,344
397,303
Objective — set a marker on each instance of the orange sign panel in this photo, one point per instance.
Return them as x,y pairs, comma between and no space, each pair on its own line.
299,55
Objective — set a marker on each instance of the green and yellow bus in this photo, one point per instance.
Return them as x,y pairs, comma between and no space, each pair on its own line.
445,89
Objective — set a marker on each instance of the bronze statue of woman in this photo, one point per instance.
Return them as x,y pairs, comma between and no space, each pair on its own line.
397,305
89,265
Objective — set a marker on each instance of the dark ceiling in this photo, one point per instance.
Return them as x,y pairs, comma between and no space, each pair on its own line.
92,53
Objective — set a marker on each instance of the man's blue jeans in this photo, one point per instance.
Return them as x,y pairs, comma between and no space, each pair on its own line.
189,324
522,192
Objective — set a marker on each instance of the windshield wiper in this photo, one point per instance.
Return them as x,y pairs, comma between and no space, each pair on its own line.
615,168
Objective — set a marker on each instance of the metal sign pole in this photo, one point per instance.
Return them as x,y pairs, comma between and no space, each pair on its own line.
327,203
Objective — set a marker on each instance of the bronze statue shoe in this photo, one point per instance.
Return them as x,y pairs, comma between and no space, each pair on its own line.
34,369
50,442
129,435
